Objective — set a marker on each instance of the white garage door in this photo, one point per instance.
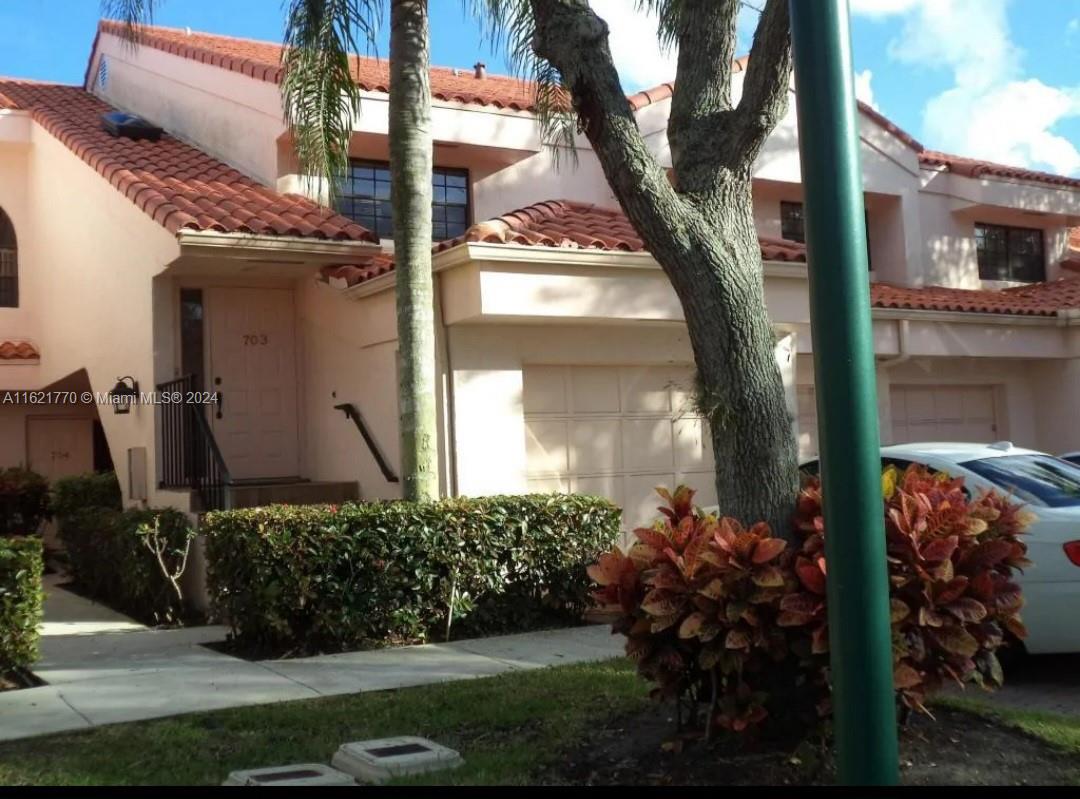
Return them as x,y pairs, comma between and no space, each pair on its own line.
943,413
806,398
616,431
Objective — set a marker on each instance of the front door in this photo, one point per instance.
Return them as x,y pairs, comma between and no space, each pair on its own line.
59,447
253,370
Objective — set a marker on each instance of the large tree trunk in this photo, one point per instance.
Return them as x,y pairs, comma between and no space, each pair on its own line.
410,178
701,230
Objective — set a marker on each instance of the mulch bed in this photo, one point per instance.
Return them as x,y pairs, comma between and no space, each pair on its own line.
19,678
957,749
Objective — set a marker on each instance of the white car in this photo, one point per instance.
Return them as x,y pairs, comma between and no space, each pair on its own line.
1071,457
1050,487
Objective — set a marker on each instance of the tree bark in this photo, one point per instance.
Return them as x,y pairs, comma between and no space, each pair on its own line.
410,180
701,229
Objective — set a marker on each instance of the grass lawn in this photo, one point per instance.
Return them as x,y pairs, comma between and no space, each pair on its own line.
506,727
1058,730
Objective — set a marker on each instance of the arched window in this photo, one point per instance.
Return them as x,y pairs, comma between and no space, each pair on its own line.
9,264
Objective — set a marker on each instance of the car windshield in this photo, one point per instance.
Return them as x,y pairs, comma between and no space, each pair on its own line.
1034,478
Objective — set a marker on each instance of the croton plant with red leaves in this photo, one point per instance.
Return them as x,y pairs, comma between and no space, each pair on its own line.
734,617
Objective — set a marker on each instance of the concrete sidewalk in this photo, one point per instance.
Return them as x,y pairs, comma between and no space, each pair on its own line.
103,668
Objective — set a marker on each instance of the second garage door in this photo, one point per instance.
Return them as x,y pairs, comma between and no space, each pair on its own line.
616,431
944,413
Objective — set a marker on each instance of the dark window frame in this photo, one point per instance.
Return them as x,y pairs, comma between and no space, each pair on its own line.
9,263
193,336
999,262
791,208
364,197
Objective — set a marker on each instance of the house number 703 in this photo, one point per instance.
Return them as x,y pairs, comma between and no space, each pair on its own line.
255,339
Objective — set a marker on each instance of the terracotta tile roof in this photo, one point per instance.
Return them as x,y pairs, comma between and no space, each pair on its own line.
1037,299
575,225
18,351
974,168
556,223
181,187
262,61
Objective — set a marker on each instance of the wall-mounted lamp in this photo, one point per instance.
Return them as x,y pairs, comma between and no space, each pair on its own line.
124,394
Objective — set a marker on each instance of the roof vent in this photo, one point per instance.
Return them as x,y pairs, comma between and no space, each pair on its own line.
480,70
129,126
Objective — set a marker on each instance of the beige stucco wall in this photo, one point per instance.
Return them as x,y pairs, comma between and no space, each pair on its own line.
89,261
1056,385
347,353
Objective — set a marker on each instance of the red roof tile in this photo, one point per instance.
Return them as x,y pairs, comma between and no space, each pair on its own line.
556,223
1036,299
262,61
18,351
974,168
574,225
180,187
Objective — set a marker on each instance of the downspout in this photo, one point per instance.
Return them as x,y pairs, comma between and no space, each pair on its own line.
450,451
903,355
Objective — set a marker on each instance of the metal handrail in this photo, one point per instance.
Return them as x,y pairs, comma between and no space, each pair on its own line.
190,453
352,412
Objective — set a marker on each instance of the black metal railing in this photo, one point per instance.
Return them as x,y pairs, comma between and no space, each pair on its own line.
190,457
353,413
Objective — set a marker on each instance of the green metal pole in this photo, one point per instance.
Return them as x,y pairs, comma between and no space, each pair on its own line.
864,710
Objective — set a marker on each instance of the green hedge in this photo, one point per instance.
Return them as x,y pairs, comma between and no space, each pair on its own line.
24,501
21,567
106,554
94,490
319,578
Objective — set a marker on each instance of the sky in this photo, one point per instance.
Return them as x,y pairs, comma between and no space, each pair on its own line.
991,79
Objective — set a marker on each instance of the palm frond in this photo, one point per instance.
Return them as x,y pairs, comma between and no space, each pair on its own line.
509,26
133,13
668,15
319,91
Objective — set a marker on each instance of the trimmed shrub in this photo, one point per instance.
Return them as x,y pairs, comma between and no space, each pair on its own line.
734,620
320,578
94,490
21,567
111,562
24,501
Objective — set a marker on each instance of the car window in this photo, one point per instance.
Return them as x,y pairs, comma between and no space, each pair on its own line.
1038,479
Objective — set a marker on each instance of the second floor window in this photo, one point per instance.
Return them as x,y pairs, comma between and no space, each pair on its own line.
793,225
1010,253
365,198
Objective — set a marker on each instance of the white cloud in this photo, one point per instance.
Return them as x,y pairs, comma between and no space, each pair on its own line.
863,90
1010,123
881,8
991,111
641,62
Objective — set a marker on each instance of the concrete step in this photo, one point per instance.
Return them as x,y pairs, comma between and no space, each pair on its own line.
299,492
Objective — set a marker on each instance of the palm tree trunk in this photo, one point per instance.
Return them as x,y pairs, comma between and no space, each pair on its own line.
410,176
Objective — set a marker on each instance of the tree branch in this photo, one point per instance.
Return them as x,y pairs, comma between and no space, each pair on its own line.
701,110
768,74
575,40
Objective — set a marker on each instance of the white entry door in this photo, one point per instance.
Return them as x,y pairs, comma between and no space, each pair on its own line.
618,432
253,369
943,413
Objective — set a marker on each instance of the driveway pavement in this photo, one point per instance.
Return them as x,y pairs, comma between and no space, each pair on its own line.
103,668
1048,683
